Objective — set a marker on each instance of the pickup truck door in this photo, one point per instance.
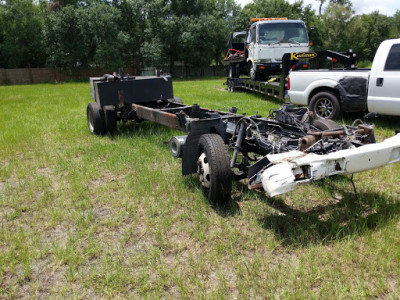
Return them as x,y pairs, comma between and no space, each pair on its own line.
384,82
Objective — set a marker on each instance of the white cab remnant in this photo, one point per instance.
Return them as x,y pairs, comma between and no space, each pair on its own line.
295,167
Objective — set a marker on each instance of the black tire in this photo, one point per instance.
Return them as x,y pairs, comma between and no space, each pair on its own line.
111,119
178,100
231,86
95,118
253,74
232,71
325,105
214,172
326,124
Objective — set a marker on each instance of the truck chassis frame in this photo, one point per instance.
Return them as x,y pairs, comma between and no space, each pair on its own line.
273,154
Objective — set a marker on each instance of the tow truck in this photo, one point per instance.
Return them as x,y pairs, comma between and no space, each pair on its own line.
273,153
258,51
277,86
268,51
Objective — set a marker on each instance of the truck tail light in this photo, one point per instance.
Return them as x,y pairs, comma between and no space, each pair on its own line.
288,83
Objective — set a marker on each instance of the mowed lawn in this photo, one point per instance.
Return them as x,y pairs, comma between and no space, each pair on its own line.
84,216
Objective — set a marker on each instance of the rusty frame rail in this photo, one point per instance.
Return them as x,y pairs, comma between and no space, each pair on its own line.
156,115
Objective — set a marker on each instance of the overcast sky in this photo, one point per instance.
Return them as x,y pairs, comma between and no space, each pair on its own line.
386,7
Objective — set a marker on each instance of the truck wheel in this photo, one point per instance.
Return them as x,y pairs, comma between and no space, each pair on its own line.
232,71
111,119
214,172
95,119
325,105
253,74
326,124
231,86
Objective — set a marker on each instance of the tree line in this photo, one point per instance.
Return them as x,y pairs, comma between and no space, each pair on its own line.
75,34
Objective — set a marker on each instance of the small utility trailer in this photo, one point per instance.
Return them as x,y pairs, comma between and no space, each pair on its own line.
277,86
273,154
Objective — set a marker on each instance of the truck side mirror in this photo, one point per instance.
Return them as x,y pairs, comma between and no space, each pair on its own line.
310,33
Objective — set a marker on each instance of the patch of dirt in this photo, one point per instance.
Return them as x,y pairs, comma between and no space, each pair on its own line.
11,184
9,280
393,283
83,292
139,242
42,279
5,163
45,171
6,211
212,277
101,212
106,177
59,234
48,277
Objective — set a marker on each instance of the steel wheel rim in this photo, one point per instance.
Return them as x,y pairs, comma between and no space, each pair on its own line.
324,108
203,171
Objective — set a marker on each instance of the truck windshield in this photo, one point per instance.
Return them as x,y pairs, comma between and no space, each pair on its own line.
269,33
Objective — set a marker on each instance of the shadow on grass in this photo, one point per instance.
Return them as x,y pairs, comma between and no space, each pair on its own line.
150,130
228,210
296,227
143,129
327,223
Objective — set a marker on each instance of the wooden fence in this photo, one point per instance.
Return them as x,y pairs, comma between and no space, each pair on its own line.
41,75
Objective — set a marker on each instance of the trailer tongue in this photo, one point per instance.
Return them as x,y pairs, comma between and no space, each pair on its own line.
274,153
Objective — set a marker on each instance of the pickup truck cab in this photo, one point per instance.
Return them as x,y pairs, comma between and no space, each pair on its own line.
332,91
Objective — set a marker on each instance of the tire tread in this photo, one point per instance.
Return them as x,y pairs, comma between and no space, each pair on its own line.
221,180
99,124
326,124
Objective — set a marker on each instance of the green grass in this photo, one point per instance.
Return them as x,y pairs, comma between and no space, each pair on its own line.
86,217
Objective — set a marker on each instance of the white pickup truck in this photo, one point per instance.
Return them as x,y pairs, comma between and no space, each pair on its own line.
330,92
